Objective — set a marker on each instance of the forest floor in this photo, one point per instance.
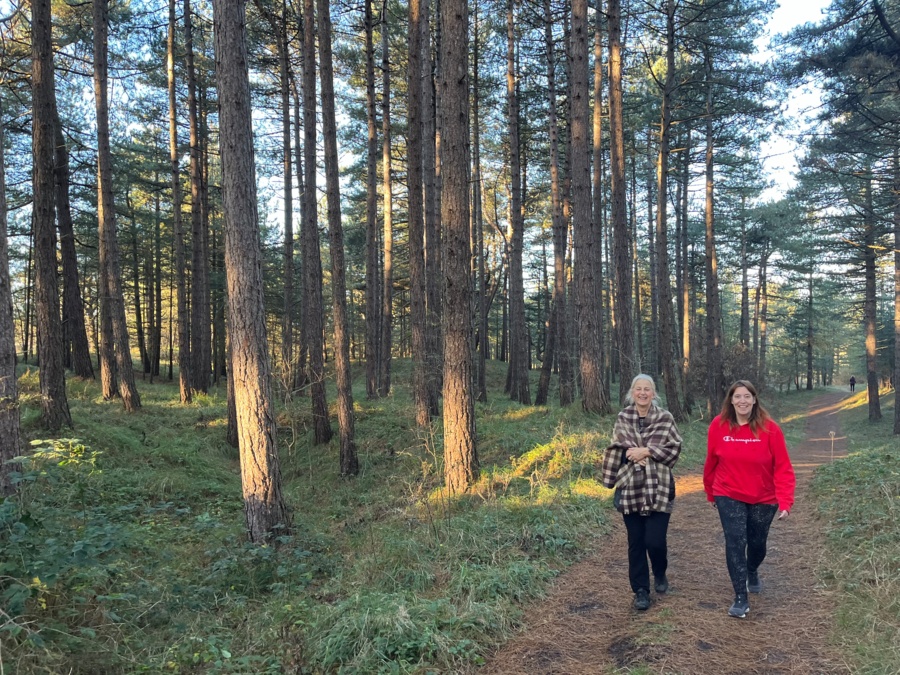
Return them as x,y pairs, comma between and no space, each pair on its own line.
586,623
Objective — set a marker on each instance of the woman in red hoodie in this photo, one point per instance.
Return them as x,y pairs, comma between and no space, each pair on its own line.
748,477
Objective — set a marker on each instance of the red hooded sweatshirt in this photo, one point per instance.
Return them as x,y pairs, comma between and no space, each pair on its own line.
751,469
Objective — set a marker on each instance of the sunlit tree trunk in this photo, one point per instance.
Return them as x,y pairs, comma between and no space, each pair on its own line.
424,406
621,243
10,443
896,223
460,454
54,403
183,318
373,308
666,327
312,257
349,463
598,179
106,216
587,286
264,508
715,379
478,215
870,309
200,324
387,286
519,389
77,349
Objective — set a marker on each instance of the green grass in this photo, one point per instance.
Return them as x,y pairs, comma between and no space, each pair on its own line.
125,550
860,501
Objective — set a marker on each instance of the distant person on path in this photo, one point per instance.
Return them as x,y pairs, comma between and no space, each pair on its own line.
638,463
852,384
748,477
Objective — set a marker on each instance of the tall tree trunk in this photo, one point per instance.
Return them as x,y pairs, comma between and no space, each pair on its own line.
460,454
387,286
763,317
871,303
478,215
312,257
434,347
301,379
593,391
373,314
264,507
519,389
54,403
424,406
77,348
349,462
200,325
686,293
110,272
715,380
183,318
154,287
896,223
598,178
745,286
809,333
10,443
136,285
621,243
557,334
666,331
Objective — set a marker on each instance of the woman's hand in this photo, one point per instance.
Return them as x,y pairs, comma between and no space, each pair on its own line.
638,455
783,514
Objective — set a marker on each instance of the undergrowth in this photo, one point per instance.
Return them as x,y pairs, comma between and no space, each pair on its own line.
860,500
124,550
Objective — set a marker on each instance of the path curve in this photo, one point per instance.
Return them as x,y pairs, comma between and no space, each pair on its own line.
586,625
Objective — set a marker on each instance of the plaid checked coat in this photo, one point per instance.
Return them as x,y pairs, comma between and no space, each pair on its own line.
643,488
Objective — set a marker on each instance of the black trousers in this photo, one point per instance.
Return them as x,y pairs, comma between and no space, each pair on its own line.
746,528
646,538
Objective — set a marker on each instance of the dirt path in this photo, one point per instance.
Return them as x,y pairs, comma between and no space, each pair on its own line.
587,625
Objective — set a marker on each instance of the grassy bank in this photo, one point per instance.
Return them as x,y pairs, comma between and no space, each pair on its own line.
860,502
125,552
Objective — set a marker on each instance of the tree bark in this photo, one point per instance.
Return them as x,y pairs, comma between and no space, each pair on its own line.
10,442
110,272
183,318
387,286
264,507
519,385
200,324
373,268
870,309
715,379
460,454
587,286
54,403
598,177
666,341
77,348
425,407
478,216
621,244
312,257
434,344
349,463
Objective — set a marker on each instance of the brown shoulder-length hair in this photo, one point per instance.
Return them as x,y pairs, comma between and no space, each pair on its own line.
759,416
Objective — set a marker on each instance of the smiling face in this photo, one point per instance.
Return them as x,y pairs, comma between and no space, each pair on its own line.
743,402
642,393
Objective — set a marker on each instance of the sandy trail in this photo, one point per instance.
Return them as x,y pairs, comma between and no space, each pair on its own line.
586,624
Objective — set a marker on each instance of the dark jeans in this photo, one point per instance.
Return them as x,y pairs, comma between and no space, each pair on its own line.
746,528
646,537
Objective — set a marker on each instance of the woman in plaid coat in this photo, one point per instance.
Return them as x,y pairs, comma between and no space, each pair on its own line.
638,464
